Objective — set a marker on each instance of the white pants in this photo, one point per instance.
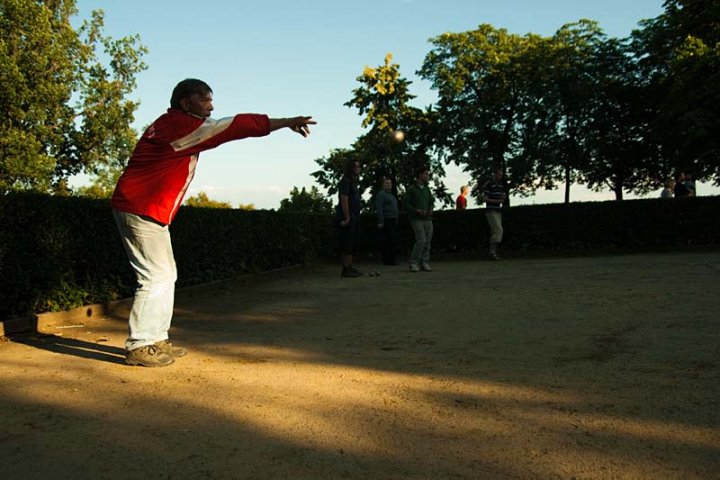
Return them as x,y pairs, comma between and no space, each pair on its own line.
148,247
423,230
496,230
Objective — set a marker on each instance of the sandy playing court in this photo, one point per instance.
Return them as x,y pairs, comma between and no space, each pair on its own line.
601,367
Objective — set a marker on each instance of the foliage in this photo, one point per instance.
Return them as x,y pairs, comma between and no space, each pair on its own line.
203,201
571,90
306,201
103,185
383,99
58,253
679,54
579,107
62,96
487,83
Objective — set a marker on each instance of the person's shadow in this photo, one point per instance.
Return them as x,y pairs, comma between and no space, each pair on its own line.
71,346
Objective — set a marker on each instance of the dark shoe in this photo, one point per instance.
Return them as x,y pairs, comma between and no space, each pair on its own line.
494,256
348,272
168,349
148,356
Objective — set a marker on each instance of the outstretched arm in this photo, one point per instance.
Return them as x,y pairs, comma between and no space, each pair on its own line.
296,124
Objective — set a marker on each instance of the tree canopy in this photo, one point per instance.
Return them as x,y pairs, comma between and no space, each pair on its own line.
383,100
202,200
579,107
302,200
576,107
63,96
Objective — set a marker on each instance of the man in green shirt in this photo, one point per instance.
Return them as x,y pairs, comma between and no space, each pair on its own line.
419,204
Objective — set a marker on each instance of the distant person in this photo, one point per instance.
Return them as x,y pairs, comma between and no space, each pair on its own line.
667,192
387,214
494,196
148,195
419,203
464,243
348,216
680,189
461,200
690,185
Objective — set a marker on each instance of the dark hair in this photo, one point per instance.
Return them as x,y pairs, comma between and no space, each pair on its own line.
349,171
186,88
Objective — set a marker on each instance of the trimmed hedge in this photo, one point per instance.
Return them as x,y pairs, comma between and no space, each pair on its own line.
649,224
58,253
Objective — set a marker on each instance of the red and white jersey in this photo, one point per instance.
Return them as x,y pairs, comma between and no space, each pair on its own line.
163,163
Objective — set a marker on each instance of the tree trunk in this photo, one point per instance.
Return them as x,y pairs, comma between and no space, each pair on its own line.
567,184
617,187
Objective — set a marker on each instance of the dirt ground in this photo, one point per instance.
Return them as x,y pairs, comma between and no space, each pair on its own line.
602,367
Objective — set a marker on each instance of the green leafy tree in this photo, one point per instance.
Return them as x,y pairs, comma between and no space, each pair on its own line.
571,108
63,110
383,100
678,53
484,80
623,157
306,201
571,90
102,185
202,200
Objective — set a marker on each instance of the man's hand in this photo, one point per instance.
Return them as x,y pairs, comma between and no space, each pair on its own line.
296,124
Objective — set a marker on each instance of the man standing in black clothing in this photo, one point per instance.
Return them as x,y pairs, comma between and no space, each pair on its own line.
680,190
494,196
347,213
387,214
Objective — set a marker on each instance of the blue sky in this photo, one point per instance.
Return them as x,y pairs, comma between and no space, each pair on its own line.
301,57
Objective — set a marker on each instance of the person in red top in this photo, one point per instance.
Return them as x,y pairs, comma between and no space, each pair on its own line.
461,201
147,198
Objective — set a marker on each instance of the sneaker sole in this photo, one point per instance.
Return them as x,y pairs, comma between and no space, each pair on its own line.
136,363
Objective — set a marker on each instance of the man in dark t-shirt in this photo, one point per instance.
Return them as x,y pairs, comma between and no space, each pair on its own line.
347,213
494,196
680,189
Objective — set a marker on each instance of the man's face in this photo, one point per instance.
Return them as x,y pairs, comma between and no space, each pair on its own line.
498,174
198,104
424,177
387,184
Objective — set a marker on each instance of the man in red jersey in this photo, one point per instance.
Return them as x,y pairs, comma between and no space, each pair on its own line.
149,194
461,200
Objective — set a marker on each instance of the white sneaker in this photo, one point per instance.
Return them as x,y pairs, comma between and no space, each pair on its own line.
426,267
414,267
